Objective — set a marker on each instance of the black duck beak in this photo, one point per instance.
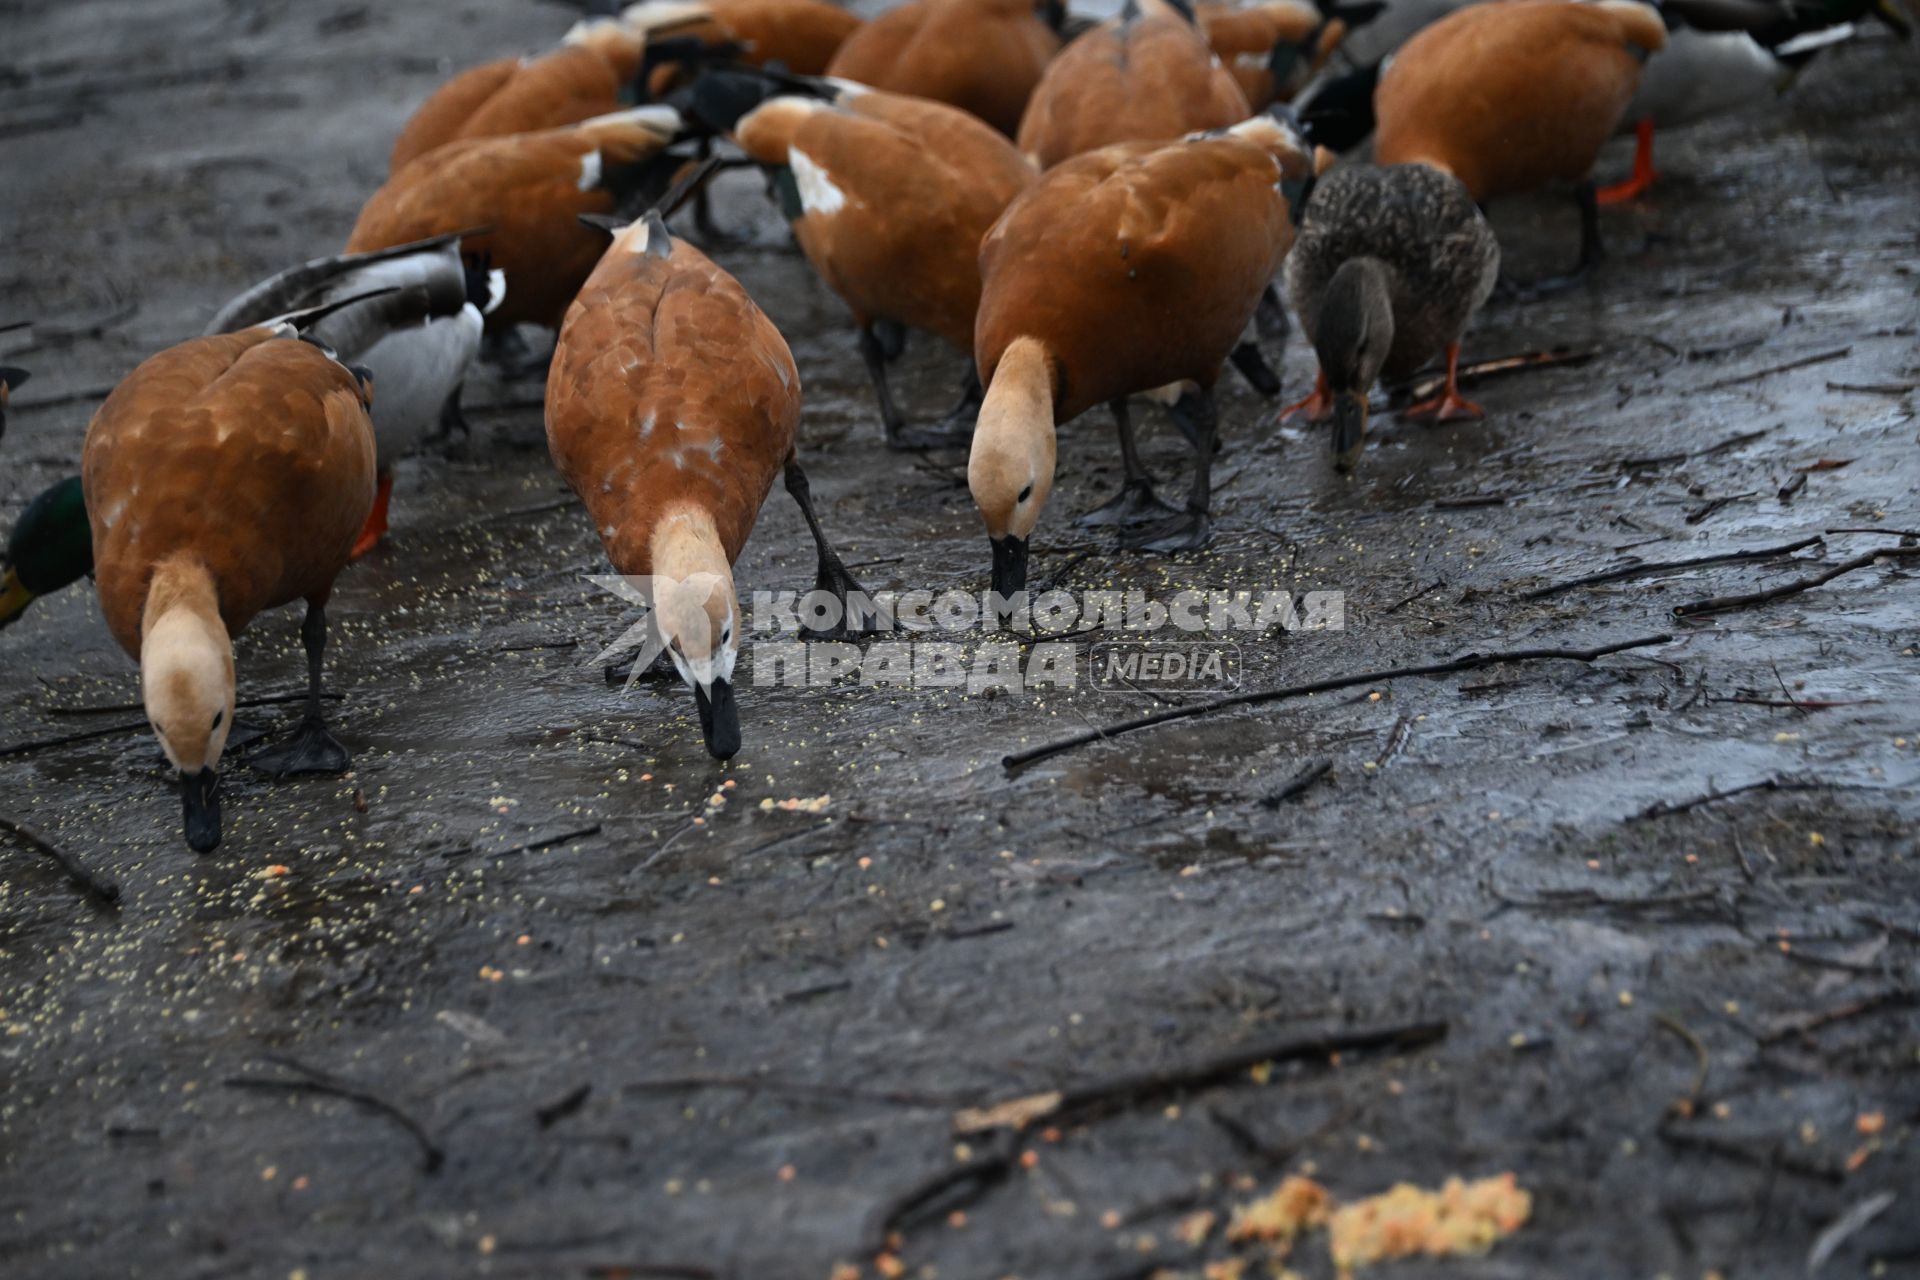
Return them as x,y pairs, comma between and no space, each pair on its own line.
1009,566
1349,428
200,798
719,718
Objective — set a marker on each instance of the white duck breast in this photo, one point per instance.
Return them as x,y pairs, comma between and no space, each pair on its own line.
417,332
1703,73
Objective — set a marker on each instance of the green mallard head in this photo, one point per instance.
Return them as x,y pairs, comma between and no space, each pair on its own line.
50,547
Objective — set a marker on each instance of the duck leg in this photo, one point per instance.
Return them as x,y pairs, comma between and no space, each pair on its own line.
1270,317
1253,366
376,526
1316,407
311,749
857,616
876,358
1448,406
451,417
1136,502
1643,171
952,431
1194,528
1591,250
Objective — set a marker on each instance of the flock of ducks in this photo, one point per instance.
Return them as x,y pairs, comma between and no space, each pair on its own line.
1091,212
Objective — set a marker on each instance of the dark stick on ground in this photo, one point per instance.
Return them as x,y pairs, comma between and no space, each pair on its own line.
1731,442
1838,353
1669,566
1103,1097
1664,807
312,1080
563,1106
548,842
1469,662
45,744
791,1088
1719,604
1891,533
1404,601
1298,783
263,700
94,884
952,1188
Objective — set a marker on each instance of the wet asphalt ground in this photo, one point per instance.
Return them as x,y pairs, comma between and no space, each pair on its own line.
579,1001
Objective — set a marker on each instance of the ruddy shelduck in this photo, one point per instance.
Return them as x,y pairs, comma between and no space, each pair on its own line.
525,193
801,36
411,315
889,197
983,56
592,73
671,406
1512,95
1389,266
223,477
1127,269
1147,75
1272,49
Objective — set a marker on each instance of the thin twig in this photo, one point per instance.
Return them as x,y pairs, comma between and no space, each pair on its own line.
316,1081
1669,566
1719,604
262,700
1400,604
1664,808
1685,1106
93,883
792,1088
1084,1102
1468,662
1838,353
1298,783
44,744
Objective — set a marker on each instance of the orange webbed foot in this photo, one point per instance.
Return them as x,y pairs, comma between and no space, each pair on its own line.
376,525
1626,192
1317,407
1643,173
1448,406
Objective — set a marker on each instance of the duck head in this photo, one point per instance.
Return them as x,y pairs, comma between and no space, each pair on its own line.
1354,336
1010,468
186,684
697,612
51,546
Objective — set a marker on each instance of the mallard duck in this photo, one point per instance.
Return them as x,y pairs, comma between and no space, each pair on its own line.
182,564
1147,75
889,197
413,318
1126,269
526,191
671,407
1389,266
51,546
592,73
1510,96
982,56
1716,67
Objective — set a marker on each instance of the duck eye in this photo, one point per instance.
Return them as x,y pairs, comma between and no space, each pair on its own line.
1025,494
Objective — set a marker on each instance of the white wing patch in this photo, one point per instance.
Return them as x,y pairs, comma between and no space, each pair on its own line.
817,192
590,170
